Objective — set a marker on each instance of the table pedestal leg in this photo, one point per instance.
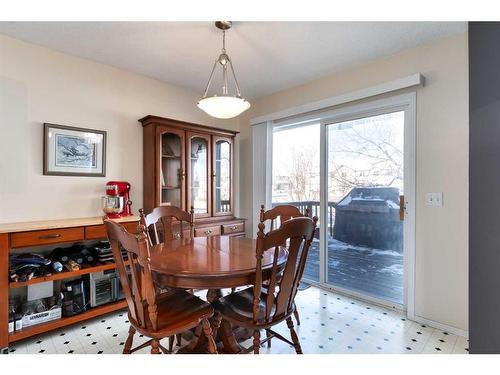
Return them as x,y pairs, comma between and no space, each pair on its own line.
225,333
199,340
213,294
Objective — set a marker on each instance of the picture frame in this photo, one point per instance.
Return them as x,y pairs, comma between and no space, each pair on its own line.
72,151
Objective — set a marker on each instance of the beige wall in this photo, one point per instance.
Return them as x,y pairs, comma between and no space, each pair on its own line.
39,85
441,158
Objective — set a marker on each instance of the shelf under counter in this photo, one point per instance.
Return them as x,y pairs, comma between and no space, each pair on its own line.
65,321
64,275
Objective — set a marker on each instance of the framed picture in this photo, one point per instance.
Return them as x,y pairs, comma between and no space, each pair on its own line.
69,151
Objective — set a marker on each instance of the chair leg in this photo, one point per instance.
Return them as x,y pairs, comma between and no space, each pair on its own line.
207,330
128,342
155,346
295,339
296,315
268,341
171,343
178,338
256,341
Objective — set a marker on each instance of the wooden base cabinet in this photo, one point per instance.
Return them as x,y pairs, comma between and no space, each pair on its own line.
186,165
42,236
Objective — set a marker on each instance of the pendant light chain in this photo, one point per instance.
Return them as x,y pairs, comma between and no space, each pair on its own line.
223,41
224,64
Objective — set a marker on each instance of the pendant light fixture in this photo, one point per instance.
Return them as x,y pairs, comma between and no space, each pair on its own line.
223,105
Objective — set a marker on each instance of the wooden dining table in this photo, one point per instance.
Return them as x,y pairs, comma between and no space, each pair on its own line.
213,263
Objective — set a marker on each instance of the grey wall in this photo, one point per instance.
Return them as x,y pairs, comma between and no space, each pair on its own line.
484,187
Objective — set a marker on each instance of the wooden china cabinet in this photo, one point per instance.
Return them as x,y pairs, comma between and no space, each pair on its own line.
188,164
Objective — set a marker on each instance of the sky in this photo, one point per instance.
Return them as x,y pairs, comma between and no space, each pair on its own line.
341,136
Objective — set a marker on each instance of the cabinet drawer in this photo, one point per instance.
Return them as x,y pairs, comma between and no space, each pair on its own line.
43,237
176,232
95,232
207,231
233,228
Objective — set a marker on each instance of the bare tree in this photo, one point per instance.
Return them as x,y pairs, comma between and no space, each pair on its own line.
377,152
362,153
302,173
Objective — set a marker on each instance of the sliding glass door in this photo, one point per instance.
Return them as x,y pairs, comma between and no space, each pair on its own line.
296,177
365,183
354,169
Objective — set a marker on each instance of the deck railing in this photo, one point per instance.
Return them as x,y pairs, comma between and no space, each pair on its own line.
313,207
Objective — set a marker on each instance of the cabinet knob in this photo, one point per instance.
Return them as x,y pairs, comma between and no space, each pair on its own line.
208,231
234,227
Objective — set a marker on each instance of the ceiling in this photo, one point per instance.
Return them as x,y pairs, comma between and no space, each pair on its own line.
267,56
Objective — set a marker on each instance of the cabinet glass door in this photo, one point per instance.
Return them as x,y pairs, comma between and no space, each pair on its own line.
222,176
198,174
171,171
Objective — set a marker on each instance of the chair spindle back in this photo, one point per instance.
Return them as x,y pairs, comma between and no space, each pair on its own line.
297,234
164,217
279,214
139,292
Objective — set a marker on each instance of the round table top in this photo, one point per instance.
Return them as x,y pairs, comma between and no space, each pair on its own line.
209,262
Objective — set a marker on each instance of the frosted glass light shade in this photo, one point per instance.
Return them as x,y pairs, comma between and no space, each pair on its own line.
223,107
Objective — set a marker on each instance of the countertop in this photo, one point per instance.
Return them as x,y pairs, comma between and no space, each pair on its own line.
57,224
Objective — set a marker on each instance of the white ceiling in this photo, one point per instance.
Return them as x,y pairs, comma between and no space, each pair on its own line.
267,56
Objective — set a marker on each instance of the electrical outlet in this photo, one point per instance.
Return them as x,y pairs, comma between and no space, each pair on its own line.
434,199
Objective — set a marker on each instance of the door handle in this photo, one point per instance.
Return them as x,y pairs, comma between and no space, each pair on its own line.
402,207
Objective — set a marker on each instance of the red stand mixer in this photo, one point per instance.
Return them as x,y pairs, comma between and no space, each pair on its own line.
116,203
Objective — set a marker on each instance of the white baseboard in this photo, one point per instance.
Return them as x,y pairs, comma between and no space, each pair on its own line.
440,326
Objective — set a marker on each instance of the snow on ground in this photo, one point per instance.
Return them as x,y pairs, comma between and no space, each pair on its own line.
375,272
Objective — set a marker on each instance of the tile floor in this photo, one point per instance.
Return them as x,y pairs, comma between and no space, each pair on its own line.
330,324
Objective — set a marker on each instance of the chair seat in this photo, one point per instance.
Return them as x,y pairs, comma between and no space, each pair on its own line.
178,311
238,308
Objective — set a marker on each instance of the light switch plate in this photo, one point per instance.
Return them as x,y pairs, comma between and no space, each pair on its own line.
434,199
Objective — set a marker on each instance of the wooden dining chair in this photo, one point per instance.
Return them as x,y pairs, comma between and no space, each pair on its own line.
168,223
153,315
281,213
278,215
162,221
262,306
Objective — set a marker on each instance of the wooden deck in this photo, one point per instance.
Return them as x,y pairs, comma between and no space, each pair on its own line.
378,273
